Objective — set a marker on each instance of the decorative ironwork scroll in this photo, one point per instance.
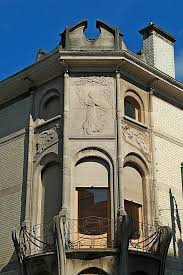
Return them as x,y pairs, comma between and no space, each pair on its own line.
35,239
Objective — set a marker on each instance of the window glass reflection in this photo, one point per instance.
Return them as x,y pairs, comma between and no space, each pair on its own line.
93,210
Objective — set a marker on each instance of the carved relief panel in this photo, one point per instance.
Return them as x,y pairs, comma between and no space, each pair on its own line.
92,106
137,138
45,136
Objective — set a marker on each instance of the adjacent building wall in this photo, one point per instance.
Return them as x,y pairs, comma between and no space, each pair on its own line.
168,123
14,121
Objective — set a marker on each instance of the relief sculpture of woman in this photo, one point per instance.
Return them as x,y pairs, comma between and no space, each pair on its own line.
96,107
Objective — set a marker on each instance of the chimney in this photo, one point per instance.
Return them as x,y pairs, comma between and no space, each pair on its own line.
158,47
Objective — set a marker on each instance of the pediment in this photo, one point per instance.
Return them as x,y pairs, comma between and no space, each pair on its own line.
74,38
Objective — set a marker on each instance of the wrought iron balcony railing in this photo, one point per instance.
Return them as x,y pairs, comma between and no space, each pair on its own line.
85,233
98,232
145,238
89,232
34,239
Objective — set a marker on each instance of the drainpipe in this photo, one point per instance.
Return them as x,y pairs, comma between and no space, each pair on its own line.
154,176
28,207
121,210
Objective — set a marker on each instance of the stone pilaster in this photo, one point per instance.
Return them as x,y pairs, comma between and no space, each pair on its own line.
66,158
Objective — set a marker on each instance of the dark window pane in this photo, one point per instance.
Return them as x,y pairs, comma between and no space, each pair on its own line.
133,210
93,210
52,108
129,109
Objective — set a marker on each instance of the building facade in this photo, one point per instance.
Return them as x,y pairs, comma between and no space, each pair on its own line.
91,151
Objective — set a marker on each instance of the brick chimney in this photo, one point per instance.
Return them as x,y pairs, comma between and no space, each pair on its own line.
158,48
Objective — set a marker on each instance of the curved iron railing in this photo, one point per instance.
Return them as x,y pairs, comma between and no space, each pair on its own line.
89,232
98,232
145,238
36,239
86,233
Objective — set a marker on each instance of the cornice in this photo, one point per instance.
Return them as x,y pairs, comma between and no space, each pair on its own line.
56,63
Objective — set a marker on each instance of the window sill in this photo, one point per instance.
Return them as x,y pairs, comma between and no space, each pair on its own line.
142,125
43,122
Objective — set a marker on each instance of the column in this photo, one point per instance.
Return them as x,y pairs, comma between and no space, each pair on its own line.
119,107
66,158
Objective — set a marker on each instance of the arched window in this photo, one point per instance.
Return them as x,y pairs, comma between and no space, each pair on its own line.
133,194
52,107
92,201
51,192
132,108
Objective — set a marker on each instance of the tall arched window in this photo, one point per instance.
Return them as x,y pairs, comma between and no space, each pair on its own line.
51,192
92,206
133,194
132,108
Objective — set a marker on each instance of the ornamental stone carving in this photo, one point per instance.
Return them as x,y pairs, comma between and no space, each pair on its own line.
92,105
136,138
45,138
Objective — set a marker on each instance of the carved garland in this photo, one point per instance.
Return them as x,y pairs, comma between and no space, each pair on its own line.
45,139
136,139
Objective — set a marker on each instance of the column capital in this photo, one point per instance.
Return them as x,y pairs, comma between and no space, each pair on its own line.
65,66
118,71
151,91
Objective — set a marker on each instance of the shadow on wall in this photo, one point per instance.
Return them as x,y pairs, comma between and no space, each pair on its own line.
176,226
12,265
13,261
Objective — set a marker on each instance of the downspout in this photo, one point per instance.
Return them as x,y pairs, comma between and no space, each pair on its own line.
122,217
28,213
121,210
154,176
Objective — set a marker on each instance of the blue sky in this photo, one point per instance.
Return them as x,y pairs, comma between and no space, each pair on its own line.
27,25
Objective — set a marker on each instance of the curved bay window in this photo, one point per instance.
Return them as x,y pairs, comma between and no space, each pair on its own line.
132,108
92,211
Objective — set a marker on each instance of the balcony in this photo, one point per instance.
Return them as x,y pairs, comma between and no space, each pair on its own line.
102,233
91,237
89,233
34,240
145,238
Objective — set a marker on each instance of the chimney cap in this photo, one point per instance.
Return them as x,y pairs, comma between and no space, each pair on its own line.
153,27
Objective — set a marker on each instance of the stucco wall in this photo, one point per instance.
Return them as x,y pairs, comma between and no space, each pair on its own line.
13,162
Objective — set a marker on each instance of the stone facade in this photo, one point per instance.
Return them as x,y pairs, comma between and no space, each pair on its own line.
90,150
